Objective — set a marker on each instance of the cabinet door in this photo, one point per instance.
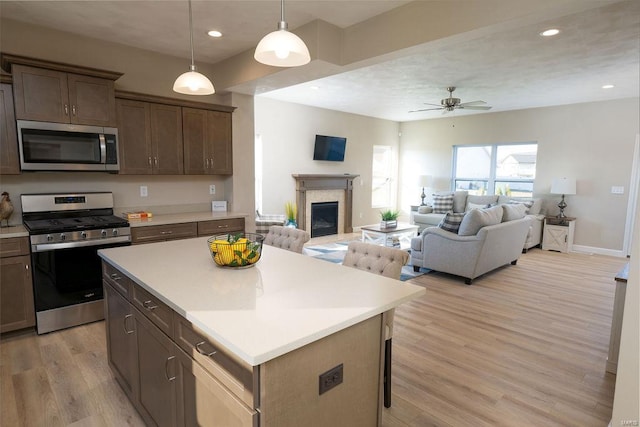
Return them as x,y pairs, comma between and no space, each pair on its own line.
16,294
121,340
219,143
194,129
92,101
166,135
40,94
157,373
134,137
203,401
9,163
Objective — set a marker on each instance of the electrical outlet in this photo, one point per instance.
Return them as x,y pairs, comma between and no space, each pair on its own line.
143,191
330,379
212,189
361,215
617,189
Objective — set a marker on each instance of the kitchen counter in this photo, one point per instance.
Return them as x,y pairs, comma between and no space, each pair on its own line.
13,231
285,302
178,218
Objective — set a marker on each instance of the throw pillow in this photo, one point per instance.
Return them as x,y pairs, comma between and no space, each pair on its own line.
442,203
513,211
527,203
425,209
476,206
451,221
475,219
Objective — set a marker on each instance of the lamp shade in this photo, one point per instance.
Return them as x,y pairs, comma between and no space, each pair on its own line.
282,48
425,181
563,186
193,83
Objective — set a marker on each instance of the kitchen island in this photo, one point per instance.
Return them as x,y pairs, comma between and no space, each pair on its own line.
292,341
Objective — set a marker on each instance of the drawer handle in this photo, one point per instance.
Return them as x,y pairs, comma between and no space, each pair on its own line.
149,305
115,277
124,323
166,232
223,226
202,352
166,366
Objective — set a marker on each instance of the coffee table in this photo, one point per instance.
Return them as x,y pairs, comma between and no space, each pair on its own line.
399,236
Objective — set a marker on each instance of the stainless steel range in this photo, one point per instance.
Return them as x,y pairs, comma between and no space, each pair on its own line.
66,231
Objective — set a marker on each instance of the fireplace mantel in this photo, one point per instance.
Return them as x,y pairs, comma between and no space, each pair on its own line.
305,182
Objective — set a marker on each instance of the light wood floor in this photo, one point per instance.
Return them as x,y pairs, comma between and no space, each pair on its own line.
523,346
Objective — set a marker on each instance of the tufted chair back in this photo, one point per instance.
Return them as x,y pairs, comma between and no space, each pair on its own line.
287,238
376,259
386,262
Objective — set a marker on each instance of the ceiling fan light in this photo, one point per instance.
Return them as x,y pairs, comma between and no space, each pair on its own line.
282,48
193,83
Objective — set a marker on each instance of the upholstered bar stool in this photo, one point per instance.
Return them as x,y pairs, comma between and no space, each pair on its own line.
287,238
386,262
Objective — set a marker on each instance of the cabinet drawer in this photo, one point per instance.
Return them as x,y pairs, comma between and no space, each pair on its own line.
154,309
158,233
14,246
117,280
233,373
210,228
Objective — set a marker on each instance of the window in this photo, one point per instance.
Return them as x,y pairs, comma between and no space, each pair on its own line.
505,169
381,173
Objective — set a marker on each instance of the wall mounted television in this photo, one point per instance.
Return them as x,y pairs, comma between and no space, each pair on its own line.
330,148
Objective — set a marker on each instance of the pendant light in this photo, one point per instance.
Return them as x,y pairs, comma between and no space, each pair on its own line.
282,48
192,82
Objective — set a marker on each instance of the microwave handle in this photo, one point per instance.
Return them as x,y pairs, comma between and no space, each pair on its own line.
103,149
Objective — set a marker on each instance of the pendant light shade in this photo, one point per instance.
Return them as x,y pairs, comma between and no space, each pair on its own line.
192,82
282,48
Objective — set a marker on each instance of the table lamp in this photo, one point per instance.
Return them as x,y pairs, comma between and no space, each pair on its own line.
424,181
563,186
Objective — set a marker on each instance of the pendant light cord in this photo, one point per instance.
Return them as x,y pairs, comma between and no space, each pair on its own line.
281,10
193,65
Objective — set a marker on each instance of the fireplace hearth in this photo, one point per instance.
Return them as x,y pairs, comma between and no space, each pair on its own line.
324,219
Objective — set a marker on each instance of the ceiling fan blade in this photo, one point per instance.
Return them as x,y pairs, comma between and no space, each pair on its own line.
435,105
478,107
464,104
425,109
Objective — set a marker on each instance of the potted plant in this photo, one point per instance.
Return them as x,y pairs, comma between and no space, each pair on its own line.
291,211
389,218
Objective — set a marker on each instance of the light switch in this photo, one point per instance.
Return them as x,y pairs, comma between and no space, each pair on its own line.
143,191
616,189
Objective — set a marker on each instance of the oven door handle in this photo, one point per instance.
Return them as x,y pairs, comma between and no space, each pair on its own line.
70,245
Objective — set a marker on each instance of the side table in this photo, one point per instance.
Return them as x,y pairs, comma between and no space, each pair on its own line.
558,234
616,319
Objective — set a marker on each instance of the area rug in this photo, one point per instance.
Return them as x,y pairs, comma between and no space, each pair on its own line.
335,252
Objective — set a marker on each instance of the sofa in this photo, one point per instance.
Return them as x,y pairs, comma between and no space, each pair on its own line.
463,202
471,255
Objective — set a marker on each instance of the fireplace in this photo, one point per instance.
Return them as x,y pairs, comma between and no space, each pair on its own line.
324,219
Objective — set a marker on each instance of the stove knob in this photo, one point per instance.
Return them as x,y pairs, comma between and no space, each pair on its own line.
114,232
103,233
49,237
63,236
83,234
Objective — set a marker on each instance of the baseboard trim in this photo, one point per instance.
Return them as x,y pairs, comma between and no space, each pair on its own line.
599,251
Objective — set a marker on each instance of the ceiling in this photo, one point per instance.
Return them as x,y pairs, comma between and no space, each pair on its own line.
510,68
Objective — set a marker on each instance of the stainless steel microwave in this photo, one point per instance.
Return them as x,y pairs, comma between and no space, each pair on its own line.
65,147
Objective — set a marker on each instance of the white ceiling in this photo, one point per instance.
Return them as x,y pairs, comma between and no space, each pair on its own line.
509,69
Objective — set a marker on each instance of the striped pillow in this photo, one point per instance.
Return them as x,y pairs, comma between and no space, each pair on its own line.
442,203
451,221
527,203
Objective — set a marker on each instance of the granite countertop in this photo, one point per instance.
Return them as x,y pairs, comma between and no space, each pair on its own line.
177,218
13,231
286,301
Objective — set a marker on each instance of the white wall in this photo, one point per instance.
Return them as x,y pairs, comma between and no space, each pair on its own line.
592,142
288,134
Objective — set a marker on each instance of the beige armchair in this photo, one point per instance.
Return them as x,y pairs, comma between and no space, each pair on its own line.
386,262
287,238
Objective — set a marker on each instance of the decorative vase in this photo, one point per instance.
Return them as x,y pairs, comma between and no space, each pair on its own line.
291,223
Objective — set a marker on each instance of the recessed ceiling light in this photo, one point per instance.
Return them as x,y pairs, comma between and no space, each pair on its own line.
550,32
214,33
608,86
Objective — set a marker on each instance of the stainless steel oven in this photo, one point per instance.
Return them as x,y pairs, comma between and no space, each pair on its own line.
66,231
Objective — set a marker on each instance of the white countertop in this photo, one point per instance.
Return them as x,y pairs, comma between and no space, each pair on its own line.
178,218
286,301
13,231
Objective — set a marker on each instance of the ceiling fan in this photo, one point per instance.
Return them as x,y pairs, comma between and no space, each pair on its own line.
451,103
